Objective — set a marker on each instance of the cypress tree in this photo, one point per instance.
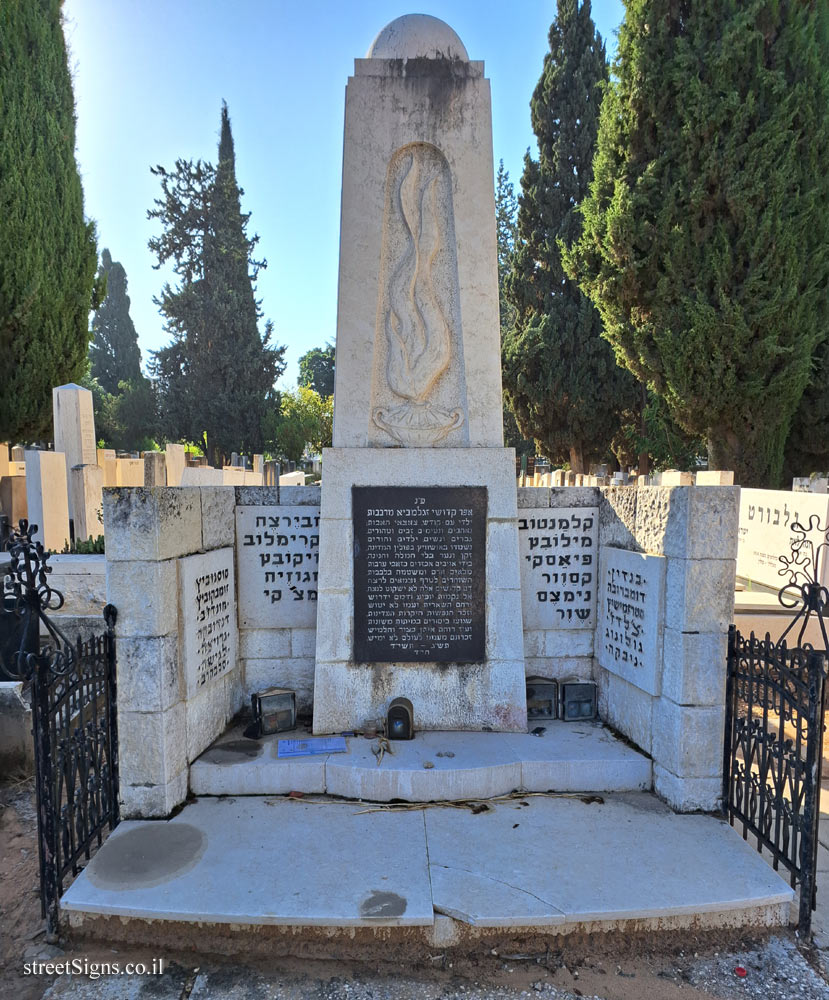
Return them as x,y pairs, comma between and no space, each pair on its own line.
47,248
114,354
216,378
706,236
561,377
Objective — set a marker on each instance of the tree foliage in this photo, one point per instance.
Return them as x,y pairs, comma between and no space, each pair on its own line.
303,418
114,355
706,233
316,370
216,377
561,377
506,207
47,249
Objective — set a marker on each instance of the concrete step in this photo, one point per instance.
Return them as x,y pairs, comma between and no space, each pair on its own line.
434,766
429,874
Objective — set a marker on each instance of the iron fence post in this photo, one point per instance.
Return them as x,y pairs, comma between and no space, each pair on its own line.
808,835
729,717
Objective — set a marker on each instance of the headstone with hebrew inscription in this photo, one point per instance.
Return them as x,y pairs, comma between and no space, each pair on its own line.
559,566
631,617
419,587
277,563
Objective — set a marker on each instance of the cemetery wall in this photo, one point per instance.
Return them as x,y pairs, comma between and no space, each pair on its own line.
171,576
665,601
277,560
559,555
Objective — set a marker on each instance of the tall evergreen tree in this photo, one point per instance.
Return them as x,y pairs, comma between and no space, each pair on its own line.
506,208
47,248
216,378
706,238
561,377
114,354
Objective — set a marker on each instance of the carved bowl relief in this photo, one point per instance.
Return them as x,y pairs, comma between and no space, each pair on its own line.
418,383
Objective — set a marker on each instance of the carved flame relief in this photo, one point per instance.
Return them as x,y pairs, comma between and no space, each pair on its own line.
418,336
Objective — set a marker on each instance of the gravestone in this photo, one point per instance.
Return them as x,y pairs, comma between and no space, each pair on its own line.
631,617
18,454
86,489
155,471
4,459
175,461
419,586
129,471
767,519
47,498
277,555
207,603
74,427
559,565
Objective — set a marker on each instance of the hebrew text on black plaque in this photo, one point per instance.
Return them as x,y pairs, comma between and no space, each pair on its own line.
419,573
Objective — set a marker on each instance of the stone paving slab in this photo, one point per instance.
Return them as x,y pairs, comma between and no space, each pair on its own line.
434,766
552,861
628,857
261,861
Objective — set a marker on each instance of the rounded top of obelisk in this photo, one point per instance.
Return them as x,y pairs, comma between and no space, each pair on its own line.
415,36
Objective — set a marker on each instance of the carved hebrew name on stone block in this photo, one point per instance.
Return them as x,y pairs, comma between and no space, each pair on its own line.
419,574
558,547
207,599
418,387
277,553
631,617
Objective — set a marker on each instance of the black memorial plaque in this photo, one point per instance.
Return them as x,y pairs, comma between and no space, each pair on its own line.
419,573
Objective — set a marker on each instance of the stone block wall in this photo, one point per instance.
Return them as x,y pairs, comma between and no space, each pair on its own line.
676,711
173,698
277,534
554,646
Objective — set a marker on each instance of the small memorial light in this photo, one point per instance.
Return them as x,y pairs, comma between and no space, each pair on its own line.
400,720
578,702
274,710
542,698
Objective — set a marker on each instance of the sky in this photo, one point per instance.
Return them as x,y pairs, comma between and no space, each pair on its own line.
150,77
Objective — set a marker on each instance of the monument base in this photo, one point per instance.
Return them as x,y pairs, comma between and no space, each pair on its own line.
488,693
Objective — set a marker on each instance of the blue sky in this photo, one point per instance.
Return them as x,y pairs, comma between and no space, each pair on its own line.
150,76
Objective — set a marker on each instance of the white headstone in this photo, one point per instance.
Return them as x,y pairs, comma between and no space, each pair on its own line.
47,497
129,472
631,617
175,463
292,479
766,532
713,478
559,562
277,557
4,459
207,605
87,483
201,475
233,475
74,426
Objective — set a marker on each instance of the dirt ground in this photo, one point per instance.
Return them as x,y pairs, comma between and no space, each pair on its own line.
776,967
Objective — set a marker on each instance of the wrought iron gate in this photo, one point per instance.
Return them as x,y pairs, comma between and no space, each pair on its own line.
74,723
774,728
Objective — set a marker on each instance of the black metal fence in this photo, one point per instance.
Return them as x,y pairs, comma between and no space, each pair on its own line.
74,722
774,728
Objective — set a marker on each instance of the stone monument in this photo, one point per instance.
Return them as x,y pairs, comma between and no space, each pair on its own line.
74,428
419,585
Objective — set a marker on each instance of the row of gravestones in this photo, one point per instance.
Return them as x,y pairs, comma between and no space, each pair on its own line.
50,488
672,477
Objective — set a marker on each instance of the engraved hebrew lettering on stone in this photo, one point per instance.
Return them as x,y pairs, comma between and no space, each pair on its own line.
417,330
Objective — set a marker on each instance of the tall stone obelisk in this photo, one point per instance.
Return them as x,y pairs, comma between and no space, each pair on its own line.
419,590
